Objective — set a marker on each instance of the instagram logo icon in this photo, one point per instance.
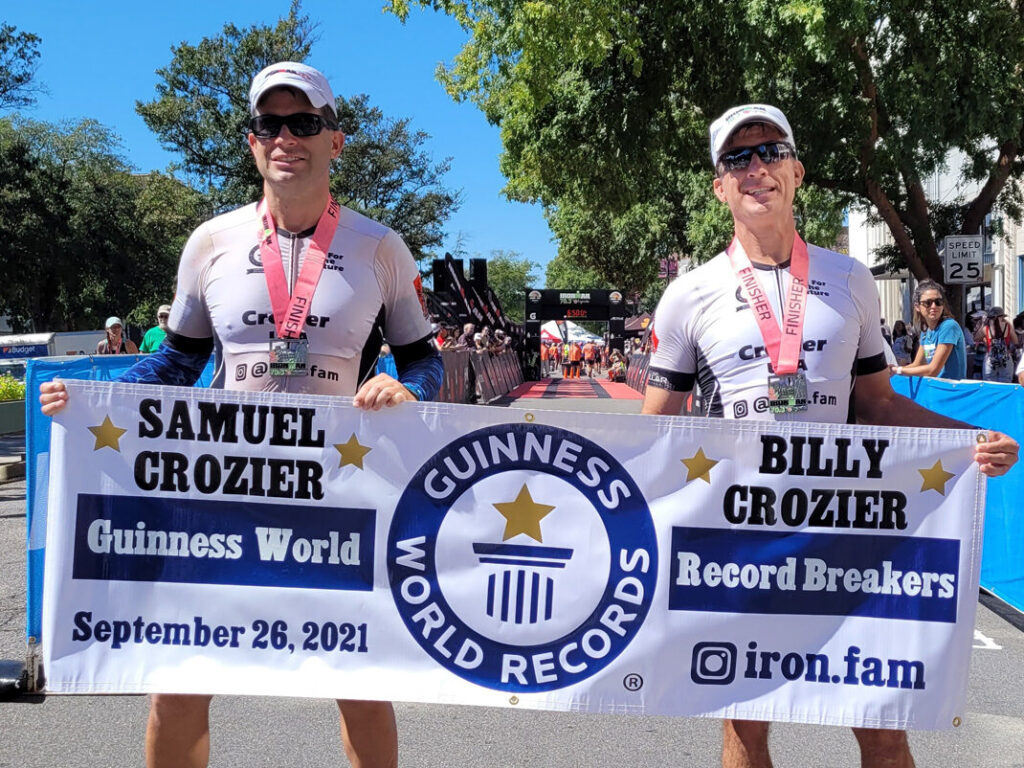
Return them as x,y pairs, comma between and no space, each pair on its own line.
713,663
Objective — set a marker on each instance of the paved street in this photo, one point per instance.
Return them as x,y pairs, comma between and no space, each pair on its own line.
54,732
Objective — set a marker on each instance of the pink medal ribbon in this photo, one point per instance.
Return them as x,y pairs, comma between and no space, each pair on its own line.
782,343
290,312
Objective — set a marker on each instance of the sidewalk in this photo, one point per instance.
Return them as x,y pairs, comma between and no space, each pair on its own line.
12,457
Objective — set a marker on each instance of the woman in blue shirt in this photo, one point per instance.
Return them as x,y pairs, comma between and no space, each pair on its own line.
942,351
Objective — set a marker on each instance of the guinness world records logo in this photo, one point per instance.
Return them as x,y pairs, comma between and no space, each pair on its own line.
522,557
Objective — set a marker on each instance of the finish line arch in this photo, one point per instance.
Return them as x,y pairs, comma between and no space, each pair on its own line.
596,304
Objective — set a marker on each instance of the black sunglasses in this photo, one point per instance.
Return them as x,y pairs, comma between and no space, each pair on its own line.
932,302
770,152
300,124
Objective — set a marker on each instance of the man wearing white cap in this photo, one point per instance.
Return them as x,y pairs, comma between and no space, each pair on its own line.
155,336
721,325
297,294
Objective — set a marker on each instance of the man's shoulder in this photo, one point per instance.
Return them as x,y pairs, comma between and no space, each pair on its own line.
354,222
225,222
712,274
840,263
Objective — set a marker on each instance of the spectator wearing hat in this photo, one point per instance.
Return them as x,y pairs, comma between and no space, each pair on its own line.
116,343
999,338
155,336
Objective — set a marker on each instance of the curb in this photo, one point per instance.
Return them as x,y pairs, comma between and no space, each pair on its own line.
11,470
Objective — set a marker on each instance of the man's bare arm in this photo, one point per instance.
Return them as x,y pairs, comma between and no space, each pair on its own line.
663,402
876,403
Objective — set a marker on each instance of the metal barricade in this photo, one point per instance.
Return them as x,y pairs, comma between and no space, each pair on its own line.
468,373
456,385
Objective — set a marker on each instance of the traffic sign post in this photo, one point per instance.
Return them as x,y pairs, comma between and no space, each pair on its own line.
963,258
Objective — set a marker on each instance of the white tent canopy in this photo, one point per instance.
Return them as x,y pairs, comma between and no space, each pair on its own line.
575,332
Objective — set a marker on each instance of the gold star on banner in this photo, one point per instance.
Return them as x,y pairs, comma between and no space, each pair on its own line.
352,452
523,515
935,479
699,466
107,435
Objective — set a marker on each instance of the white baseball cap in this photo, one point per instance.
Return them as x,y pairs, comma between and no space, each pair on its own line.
733,118
112,321
293,75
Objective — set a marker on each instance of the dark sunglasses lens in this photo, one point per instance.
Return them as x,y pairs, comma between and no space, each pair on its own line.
932,303
738,160
302,124
769,153
265,126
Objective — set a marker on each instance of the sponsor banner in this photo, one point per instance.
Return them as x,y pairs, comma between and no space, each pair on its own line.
247,543
23,350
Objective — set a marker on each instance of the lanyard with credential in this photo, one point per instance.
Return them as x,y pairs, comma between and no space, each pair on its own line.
781,343
290,312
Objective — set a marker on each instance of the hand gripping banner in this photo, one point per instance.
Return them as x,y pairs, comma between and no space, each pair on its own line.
207,541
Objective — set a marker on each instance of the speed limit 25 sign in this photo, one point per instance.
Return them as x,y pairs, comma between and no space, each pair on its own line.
963,258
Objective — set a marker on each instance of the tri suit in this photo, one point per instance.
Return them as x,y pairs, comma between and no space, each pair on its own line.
369,292
704,331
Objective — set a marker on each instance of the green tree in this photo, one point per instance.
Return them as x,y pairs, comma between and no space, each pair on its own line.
563,274
19,55
166,210
385,173
84,238
202,105
509,275
202,109
605,103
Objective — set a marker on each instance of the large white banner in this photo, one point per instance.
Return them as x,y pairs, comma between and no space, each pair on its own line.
205,541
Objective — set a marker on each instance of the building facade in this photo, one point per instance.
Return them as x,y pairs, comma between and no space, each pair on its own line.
1003,279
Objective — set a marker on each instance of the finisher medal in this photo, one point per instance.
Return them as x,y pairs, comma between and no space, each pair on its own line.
289,357
289,351
788,393
787,386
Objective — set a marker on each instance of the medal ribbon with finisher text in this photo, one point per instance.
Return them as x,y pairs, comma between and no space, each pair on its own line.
781,343
290,312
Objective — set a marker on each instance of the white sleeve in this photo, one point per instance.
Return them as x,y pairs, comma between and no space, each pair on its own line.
890,356
865,296
673,339
189,315
404,306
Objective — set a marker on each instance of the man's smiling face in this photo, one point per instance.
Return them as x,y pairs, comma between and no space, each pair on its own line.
760,192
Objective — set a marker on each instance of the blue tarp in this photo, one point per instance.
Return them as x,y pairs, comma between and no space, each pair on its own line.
999,407
37,455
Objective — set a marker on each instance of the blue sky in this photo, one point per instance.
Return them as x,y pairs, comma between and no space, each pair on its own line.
98,59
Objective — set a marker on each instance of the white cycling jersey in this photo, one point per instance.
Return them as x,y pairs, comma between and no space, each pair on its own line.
704,329
370,284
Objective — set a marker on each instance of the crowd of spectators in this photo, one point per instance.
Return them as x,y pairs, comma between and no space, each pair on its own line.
987,346
487,339
591,358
